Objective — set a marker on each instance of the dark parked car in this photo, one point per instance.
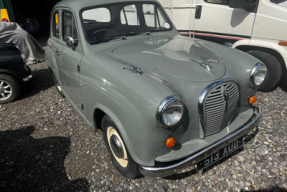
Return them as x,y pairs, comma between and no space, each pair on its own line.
13,71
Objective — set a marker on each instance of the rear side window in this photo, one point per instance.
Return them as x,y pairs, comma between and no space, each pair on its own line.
69,26
55,27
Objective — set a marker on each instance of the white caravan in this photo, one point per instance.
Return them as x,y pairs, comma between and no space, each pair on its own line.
258,27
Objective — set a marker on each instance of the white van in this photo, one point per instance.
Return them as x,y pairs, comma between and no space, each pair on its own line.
258,27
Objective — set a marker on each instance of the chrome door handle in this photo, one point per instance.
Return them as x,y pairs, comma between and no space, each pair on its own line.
58,52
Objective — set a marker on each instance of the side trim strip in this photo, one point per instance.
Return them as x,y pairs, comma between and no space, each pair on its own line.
209,35
217,35
179,8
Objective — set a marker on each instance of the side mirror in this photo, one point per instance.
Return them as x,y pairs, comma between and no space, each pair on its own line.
237,3
70,42
248,5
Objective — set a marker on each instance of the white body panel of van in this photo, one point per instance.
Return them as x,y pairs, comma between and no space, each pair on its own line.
260,29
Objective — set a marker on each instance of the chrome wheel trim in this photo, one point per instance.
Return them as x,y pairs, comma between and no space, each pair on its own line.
59,88
122,161
5,90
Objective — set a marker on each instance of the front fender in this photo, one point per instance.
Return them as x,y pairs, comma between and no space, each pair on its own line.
130,100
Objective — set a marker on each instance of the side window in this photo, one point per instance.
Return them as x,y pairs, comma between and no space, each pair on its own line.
69,26
55,27
153,16
129,16
221,2
280,2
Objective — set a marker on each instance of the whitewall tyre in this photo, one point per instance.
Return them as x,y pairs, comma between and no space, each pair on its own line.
118,151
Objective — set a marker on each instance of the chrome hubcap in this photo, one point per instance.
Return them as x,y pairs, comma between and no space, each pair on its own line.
5,90
117,147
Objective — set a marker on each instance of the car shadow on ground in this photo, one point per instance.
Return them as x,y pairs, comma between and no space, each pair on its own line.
29,164
41,81
184,175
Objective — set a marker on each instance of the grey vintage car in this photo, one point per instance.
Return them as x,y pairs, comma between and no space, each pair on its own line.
163,101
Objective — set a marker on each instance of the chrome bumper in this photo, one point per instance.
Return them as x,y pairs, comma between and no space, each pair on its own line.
27,78
195,158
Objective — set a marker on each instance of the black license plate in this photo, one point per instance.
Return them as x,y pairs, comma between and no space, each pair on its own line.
231,147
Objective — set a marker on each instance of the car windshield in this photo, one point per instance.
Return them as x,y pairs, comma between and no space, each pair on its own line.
117,20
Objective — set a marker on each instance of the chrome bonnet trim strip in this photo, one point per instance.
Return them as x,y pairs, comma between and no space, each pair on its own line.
193,157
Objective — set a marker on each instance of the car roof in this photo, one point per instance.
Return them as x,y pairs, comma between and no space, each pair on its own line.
77,5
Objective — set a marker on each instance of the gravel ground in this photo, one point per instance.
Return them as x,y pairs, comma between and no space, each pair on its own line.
47,146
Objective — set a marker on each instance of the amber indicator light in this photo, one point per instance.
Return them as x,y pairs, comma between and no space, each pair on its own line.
252,100
284,43
170,142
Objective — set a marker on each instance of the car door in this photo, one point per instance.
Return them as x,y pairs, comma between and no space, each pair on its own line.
69,58
51,44
214,20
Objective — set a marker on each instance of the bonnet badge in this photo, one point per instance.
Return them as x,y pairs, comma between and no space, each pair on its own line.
225,94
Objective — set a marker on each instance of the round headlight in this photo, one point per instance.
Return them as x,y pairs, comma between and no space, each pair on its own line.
170,111
258,74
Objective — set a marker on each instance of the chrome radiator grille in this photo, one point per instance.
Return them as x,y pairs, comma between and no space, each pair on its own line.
218,107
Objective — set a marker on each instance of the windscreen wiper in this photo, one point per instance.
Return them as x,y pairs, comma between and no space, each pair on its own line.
107,39
133,34
122,36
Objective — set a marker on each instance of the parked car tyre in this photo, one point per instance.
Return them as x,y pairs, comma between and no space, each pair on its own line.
9,88
119,154
274,72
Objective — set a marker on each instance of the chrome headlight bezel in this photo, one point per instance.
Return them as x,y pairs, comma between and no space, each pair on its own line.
163,106
254,71
23,57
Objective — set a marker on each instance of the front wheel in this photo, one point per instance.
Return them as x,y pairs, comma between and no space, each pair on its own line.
274,72
119,154
9,88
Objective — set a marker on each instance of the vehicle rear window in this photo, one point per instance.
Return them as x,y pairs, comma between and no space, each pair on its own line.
129,15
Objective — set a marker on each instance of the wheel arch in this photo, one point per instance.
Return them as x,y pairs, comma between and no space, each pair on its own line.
98,117
99,112
271,51
5,72
246,48
270,47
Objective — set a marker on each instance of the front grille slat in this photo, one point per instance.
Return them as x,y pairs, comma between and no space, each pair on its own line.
218,110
